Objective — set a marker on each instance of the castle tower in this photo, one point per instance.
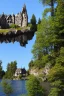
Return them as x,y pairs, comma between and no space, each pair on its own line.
24,16
18,19
13,18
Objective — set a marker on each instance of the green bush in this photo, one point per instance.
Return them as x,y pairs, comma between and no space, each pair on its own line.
14,26
7,88
29,25
20,76
54,92
34,88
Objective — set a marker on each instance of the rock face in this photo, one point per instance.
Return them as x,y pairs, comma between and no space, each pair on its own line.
46,69
34,72
20,19
21,36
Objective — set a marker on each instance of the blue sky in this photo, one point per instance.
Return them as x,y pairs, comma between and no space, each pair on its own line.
10,52
15,6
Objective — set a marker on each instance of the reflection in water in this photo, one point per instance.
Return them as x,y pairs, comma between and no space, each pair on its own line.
20,37
19,88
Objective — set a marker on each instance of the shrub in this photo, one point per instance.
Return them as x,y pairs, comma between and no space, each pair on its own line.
34,88
7,88
14,26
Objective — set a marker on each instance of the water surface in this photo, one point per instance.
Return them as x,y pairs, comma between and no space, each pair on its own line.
19,87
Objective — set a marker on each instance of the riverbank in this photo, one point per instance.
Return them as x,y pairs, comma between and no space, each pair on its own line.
23,78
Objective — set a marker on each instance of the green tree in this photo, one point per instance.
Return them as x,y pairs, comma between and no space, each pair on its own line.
49,34
58,26
60,58
33,22
2,73
44,39
56,77
0,69
43,44
54,92
34,88
49,48
11,68
39,21
7,88
31,64
0,65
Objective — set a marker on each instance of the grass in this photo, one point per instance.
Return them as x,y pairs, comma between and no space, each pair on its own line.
22,28
11,29
4,30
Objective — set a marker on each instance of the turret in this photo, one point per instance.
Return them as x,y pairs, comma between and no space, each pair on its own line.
24,16
13,18
24,9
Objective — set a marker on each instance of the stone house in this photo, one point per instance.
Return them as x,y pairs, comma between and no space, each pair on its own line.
20,19
20,71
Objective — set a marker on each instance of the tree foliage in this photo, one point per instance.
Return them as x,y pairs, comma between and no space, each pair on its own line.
33,23
34,88
33,20
56,73
2,73
7,88
11,68
49,47
39,21
31,64
50,3
56,77
54,92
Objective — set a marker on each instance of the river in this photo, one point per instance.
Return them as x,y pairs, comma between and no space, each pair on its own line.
19,87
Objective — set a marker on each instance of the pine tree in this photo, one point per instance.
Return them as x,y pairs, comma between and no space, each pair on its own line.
39,21
58,25
33,22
